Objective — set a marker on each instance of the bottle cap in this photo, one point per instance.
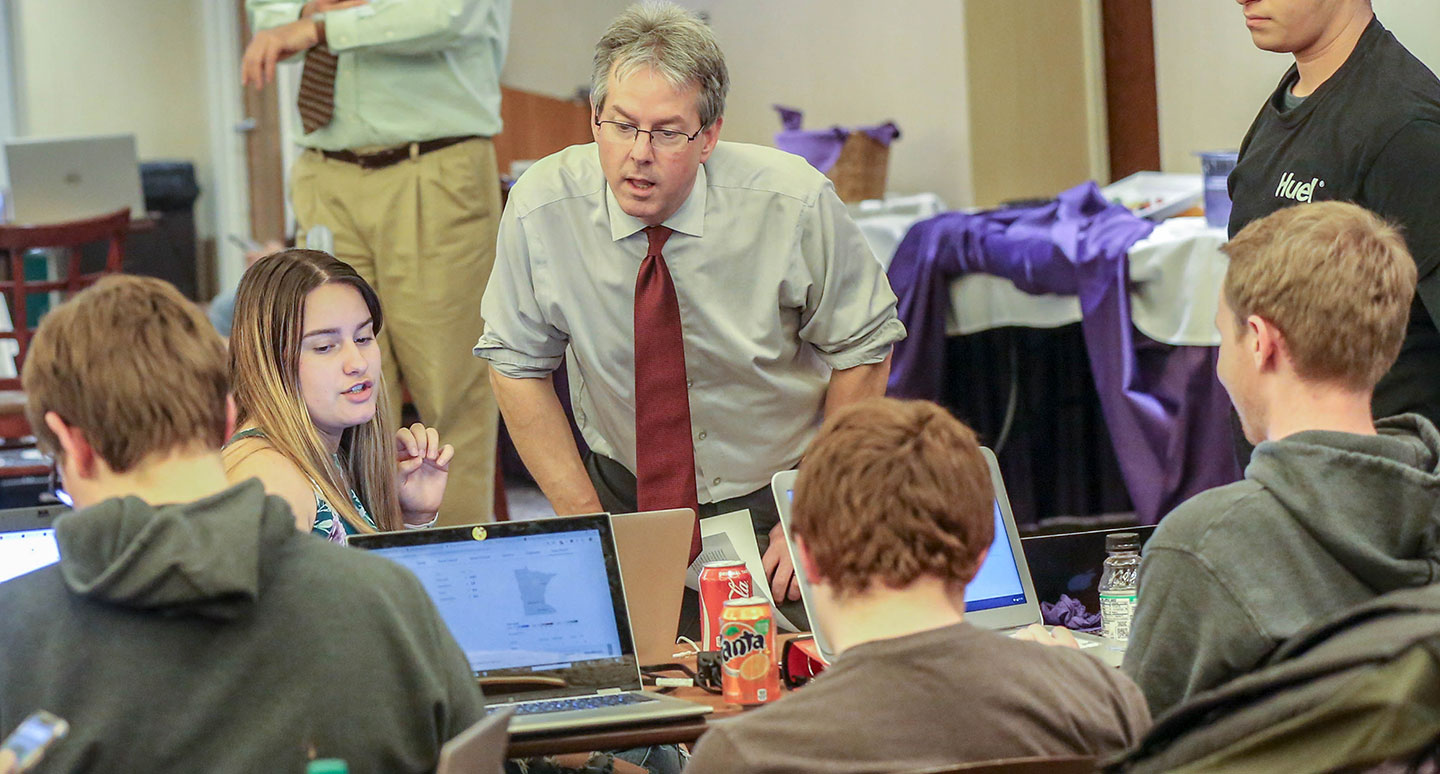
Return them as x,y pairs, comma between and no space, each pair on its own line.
1122,541
327,766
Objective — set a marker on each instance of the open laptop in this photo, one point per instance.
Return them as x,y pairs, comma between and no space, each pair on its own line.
1070,562
1001,597
479,749
538,607
27,539
53,180
653,547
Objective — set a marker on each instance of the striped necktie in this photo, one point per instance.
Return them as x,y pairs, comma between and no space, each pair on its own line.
317,89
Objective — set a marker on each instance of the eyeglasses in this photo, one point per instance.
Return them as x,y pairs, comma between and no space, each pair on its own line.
56,488
660,139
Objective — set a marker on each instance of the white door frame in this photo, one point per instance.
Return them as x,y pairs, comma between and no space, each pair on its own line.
228,126
225,105
12,118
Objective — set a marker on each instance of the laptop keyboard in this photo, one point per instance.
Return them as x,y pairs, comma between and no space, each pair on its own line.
577,703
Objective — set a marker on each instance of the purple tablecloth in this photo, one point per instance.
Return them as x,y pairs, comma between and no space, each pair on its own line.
1166,411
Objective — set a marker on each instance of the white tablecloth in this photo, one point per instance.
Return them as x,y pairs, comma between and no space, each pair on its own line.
1175,279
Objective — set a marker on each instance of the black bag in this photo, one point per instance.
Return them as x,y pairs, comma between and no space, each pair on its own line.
169,186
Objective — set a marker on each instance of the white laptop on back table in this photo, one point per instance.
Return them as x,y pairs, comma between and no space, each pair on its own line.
538,607
53,180
1001,597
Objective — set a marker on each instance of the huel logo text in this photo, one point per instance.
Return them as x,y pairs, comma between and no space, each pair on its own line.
1300,192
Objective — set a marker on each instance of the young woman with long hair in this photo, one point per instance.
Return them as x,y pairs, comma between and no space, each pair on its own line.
305,368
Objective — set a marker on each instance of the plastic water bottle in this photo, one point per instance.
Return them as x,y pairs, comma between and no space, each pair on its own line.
1119,586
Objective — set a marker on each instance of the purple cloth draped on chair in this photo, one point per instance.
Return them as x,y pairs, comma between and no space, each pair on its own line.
1070,613
1166,411
821,147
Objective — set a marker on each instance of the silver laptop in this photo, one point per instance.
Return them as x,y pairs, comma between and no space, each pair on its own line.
653,547
27,539
479,749
538,607
53,180
1001,597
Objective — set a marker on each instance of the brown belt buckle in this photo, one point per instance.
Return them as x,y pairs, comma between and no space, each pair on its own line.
378,160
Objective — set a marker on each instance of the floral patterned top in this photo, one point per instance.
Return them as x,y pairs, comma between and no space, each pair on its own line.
328,524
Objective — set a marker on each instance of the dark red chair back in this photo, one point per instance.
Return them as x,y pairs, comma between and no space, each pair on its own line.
69,238
15,241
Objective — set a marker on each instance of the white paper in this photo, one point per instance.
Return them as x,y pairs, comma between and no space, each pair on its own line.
728,537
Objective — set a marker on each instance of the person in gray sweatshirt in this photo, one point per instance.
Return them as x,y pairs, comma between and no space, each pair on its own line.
1334,509
188,626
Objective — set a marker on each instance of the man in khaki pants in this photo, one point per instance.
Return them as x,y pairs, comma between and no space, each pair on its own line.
398,102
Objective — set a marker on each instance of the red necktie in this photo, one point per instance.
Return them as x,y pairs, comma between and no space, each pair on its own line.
664,451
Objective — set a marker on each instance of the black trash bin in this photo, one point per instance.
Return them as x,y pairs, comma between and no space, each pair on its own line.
166,248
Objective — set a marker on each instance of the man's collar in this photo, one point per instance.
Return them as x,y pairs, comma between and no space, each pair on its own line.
689,219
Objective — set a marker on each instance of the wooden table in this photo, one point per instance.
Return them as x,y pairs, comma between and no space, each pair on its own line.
20,460
684,731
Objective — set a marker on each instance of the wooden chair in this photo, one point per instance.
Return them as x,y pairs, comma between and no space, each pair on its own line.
1074,764
69,237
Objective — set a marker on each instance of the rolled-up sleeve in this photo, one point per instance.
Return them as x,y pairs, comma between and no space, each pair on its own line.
411,27
518,340
849,315
266,14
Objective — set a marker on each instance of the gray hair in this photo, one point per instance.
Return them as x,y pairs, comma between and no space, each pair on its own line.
673,42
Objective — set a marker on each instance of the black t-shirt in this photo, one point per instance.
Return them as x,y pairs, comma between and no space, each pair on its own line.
1369,135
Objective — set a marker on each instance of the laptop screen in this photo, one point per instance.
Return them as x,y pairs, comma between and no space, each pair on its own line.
537,606
26,550
997,584
545,597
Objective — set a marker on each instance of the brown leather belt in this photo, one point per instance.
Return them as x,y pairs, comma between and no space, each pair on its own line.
392,156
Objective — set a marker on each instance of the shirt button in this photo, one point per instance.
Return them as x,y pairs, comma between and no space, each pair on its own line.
689,382
702,435
716,481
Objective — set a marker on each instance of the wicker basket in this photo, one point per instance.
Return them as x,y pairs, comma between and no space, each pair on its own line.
859,173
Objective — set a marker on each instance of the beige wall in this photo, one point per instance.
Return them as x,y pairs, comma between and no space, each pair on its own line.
139,66
1416,23
855,63
1211,80
847,62
86,67
1030,109
552,43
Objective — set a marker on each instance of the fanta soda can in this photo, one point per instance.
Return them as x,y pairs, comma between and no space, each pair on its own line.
747,652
